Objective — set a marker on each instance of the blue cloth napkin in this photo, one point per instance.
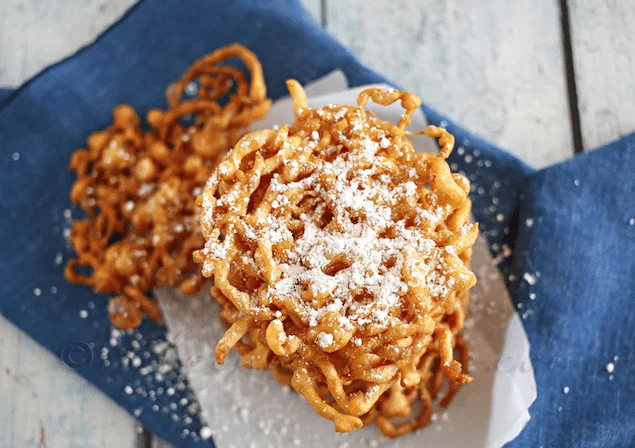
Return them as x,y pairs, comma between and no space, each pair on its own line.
564,235
4,94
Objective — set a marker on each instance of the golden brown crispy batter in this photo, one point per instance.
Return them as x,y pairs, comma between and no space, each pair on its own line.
138,188
340,257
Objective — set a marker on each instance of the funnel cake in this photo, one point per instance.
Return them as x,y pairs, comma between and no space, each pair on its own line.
138,187
340,257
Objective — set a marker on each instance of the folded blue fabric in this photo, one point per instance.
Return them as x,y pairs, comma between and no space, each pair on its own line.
570,227
4,94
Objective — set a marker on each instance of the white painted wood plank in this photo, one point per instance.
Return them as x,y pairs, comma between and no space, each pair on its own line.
603,42
495,66
315,8
42,400
36,33
160,443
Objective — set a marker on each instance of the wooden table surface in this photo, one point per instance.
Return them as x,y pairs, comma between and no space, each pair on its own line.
542,78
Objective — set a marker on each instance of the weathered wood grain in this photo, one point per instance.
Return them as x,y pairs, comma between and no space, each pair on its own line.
41,400
315,8
36,33
160,443
603,43
494,65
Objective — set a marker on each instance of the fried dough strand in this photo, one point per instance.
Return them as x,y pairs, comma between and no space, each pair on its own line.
138,187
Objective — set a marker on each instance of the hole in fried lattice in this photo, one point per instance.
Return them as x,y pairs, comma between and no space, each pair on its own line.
256,196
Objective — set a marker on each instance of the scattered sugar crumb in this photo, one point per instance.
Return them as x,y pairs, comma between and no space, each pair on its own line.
37,291
566,389
610,367
529,278
53,289
576,182
205,432
616,358
500,217
632,221
191,88
83,314
59,258
15,156
128,390
532,296
529,222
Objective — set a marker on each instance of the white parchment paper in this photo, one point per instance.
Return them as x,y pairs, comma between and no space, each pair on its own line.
246,408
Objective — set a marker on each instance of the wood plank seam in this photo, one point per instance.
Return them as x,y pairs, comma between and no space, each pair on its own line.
143,439
323,12
572,91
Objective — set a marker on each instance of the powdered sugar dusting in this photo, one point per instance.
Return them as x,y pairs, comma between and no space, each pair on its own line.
325,339
353,249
